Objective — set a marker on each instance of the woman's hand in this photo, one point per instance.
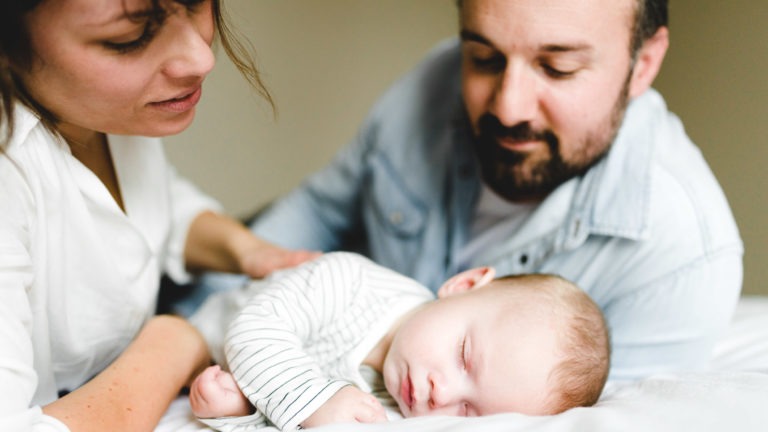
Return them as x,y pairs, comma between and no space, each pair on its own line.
219,243
258,258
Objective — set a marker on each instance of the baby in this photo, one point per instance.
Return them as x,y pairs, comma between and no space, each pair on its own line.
297,352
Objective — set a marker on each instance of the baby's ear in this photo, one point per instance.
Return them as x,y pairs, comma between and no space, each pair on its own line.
466,280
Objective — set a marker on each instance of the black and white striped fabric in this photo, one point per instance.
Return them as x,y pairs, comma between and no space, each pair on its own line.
303,335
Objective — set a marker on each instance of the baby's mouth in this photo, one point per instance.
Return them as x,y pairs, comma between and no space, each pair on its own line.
406,392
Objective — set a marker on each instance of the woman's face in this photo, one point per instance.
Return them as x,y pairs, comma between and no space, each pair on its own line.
117,66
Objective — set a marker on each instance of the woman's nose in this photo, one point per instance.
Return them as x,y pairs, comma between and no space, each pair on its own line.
191,53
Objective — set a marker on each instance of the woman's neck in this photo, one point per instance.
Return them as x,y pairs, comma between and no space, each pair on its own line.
92,150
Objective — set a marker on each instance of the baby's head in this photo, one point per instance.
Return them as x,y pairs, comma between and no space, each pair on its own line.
533,344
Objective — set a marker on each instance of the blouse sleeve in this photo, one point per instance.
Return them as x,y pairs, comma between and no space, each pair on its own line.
187,202
18,379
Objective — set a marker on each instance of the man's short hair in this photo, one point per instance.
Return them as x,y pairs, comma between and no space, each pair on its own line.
650,15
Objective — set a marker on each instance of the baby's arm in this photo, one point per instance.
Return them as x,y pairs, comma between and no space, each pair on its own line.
269,343
214,393
348,405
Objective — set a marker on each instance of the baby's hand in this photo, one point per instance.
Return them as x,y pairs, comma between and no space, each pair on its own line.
214,393
348,405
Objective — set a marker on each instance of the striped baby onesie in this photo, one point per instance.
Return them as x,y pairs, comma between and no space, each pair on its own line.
304,334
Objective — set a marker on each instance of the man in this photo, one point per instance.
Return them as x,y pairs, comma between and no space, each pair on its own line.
535,144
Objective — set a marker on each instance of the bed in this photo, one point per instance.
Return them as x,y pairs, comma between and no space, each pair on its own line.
732,396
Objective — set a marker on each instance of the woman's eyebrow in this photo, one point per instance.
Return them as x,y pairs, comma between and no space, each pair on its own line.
135,15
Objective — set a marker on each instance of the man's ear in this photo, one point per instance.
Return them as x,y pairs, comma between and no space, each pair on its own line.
648,62
466,280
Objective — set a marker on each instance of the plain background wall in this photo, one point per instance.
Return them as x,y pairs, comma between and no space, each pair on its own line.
325,62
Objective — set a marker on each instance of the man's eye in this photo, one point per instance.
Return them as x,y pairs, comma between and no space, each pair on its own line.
556,73
489,64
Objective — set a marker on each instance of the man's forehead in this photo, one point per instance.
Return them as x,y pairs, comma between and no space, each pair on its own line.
541,23
537,11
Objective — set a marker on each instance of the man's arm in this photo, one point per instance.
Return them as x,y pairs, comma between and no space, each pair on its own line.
322,212
673,323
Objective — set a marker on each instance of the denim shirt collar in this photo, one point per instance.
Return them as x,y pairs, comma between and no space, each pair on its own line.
613,198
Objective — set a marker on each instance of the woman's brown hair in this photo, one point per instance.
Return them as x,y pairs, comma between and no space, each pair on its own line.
16,57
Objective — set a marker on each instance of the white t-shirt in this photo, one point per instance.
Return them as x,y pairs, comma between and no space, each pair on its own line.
494,219
78,277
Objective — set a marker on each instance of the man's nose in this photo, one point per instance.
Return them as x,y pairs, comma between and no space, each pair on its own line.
515,97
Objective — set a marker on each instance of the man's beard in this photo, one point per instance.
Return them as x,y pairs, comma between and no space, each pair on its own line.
517,177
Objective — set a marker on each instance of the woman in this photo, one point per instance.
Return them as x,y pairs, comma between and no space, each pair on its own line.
92,214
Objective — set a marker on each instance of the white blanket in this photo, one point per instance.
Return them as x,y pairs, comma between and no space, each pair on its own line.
732,397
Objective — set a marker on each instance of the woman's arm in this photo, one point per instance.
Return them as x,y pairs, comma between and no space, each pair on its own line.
220,243
135,391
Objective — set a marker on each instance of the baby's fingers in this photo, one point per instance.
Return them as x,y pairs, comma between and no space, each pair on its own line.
370,411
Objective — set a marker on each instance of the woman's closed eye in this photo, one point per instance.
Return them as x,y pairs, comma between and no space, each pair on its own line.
150,21
134,44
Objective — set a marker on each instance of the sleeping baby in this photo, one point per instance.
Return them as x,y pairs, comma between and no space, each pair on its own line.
310,344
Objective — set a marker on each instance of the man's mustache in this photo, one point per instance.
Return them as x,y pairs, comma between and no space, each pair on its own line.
490,127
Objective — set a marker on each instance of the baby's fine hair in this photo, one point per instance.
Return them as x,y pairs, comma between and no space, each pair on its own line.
585,351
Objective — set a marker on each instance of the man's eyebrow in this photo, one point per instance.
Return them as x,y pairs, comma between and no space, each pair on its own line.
470,36
563,48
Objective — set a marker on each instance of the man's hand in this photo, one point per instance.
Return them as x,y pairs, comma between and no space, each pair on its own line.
214,393
348,405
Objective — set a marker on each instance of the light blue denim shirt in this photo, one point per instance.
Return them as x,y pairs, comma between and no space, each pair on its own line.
647,232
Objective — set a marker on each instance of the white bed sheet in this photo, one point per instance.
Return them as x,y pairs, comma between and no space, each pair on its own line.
731,397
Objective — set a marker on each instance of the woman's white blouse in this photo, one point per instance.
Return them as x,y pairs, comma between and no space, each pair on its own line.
78,276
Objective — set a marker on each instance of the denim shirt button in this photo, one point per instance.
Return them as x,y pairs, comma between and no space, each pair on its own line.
576,227
465,171
396,218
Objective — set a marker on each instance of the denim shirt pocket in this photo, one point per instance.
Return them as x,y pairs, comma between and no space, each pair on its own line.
398,211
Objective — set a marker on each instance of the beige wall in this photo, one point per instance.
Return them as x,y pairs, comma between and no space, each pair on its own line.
715,79
327,61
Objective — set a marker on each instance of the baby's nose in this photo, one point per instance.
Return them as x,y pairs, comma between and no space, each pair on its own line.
439,394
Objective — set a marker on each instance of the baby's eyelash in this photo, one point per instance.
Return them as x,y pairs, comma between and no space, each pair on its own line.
462,353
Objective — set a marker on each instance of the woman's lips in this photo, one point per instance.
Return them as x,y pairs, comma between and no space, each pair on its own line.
181,104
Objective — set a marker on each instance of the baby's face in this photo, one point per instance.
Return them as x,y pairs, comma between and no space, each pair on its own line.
476,353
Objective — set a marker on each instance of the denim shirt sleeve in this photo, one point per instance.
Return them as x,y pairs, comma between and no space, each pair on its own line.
325,208
384,194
